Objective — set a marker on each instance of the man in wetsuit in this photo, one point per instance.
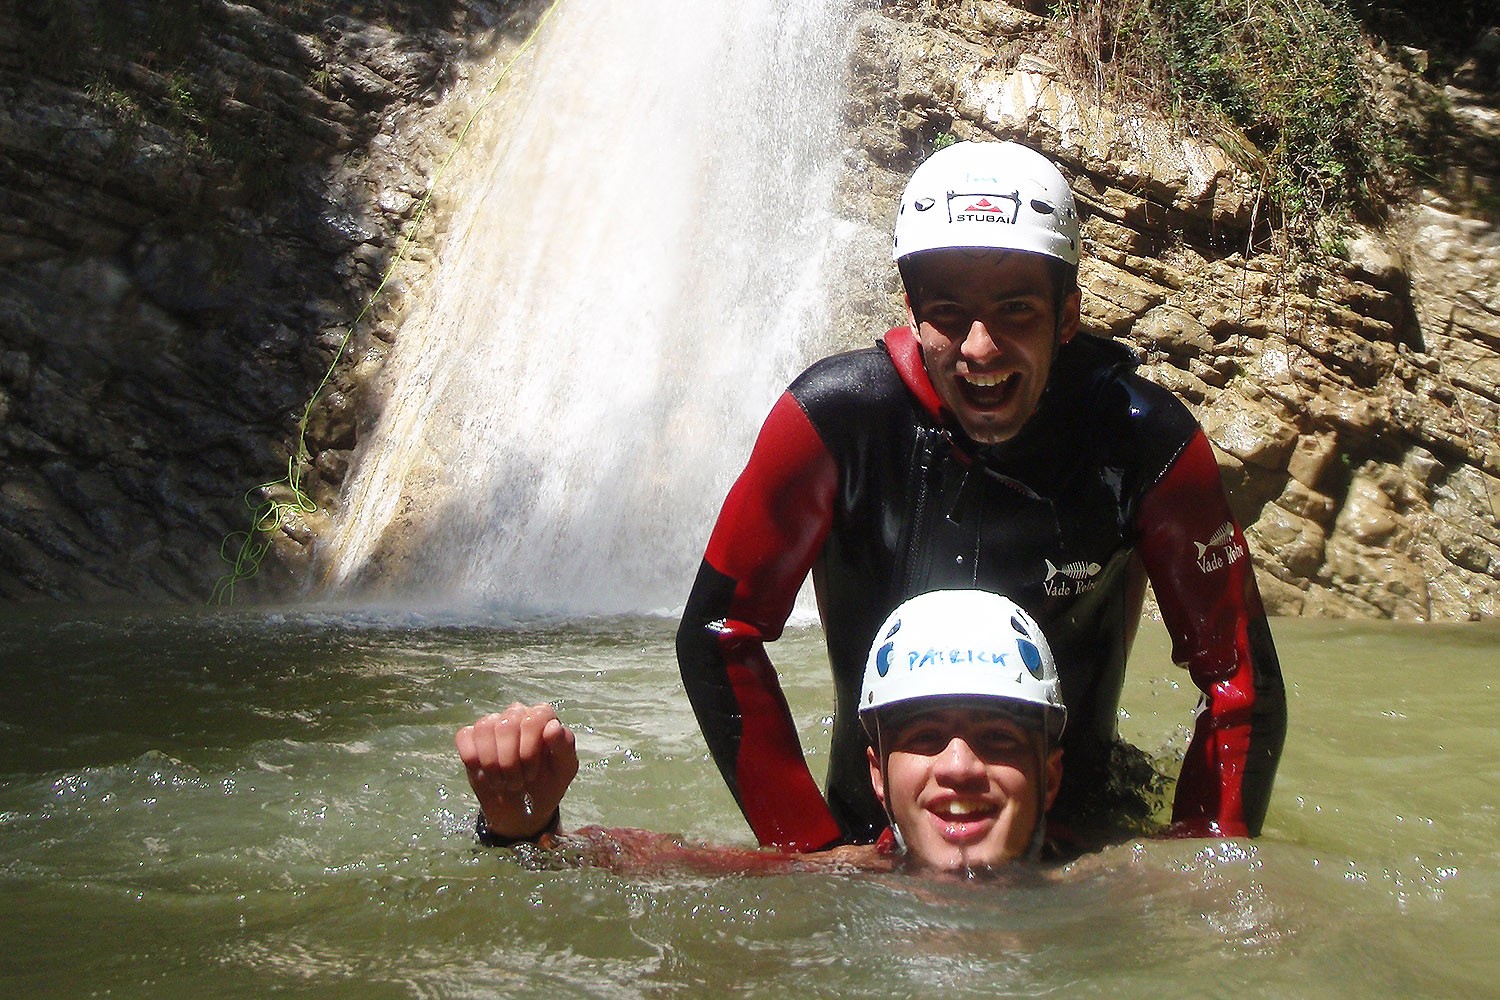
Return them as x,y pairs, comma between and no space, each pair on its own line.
962,708
987,445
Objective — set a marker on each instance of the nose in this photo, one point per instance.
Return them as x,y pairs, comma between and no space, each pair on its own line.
979,344
957,764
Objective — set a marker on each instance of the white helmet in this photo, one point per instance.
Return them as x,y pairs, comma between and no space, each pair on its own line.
966,644
992,195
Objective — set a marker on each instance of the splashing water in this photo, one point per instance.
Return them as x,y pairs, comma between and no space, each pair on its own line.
626,287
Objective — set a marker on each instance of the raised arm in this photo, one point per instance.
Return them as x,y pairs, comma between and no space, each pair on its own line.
1200,571
520,763
770,531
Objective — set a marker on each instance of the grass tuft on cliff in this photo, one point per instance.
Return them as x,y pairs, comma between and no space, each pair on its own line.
1285,86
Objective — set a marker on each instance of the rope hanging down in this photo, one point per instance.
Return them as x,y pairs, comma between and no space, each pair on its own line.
244,550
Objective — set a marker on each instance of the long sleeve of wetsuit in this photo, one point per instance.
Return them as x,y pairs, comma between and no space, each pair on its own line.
772,526
1199,565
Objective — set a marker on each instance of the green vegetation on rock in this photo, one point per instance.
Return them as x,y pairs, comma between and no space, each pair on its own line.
1285,85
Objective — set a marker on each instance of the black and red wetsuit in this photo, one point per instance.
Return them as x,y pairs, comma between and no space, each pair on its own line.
859,477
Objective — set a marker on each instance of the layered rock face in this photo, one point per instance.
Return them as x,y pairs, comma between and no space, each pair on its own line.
196,199
1353,401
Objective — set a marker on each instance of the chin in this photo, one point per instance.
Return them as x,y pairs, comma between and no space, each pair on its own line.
988,434
974,868
952,860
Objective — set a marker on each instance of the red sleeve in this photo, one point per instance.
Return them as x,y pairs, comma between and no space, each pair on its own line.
1200,571
768,535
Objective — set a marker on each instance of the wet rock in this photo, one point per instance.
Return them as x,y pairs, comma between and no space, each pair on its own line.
1114,299
1373,258
1298,543
331,423
1312,457
1316,507
1249,432
1173,333
171,228
1368,515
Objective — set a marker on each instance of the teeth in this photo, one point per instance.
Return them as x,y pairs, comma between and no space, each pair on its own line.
985,381
962,808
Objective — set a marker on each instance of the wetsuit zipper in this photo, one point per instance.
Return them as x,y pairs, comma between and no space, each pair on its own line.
924,460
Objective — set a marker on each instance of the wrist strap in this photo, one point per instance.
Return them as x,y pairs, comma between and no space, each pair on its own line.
489,838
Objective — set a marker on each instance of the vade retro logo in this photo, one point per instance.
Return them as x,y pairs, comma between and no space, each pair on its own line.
1221,549
1070,579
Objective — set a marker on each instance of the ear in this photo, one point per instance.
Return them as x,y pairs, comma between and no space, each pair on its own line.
1069,316
877,779
1054,775
911,316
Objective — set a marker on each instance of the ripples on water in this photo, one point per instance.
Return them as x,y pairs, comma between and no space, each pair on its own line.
254,802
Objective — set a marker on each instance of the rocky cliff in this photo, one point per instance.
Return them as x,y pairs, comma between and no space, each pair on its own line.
1353,395
197,196
196,199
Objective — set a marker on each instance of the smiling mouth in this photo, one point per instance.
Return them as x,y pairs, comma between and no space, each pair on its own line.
959,811
987,390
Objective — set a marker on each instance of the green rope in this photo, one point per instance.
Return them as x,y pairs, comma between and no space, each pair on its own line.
244,550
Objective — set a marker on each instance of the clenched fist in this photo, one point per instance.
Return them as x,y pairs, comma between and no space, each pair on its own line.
520,763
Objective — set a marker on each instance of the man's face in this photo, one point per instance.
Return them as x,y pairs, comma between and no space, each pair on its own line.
989,331
962,786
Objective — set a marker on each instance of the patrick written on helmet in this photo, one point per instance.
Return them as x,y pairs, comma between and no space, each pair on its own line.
962,646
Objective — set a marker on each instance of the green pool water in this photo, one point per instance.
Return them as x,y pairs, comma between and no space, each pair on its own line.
262,803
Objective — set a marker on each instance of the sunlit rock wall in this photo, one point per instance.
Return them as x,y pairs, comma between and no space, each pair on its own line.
1353,401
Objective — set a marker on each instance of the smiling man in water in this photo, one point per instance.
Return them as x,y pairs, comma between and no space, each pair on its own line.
961,706
990,445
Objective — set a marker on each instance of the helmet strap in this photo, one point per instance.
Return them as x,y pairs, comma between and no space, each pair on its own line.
885,785
1039,832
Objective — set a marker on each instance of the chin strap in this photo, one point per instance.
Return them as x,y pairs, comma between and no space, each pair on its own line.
1039,835
885,783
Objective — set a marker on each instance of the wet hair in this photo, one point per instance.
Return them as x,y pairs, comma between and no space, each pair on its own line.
1064,278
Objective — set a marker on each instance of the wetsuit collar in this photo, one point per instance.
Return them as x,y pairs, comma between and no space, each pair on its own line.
905,351
906,354
1074,366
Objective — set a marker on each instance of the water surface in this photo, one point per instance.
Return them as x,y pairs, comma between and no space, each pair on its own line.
248,803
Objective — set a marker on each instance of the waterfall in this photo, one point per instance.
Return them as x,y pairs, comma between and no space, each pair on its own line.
631,278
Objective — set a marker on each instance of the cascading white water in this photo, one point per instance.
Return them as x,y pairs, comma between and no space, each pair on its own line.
624,292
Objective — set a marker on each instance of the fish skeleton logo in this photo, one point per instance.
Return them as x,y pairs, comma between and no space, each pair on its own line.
1077,578
1221,549
984,207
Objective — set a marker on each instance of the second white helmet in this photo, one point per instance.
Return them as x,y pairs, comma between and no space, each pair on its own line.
990,195
962,644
